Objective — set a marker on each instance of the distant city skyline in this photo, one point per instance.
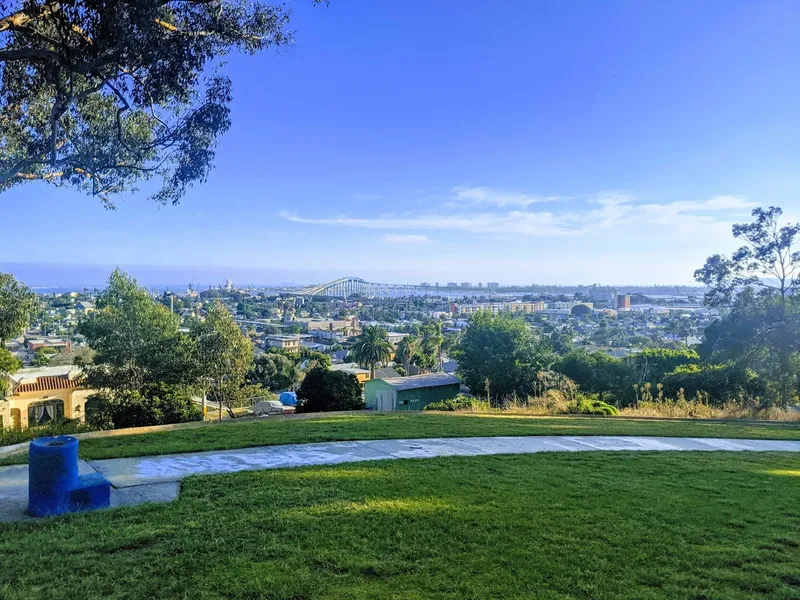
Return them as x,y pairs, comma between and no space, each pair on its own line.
54,275
565,143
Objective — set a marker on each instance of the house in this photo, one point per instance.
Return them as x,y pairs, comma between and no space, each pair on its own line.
410,393
85,307
361,374
34,344
395,338
386,373
37,396
289,343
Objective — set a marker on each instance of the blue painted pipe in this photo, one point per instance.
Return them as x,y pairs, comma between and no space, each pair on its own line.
52,474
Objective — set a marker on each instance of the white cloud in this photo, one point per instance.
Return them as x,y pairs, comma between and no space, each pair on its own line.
487,196
607,212
406,238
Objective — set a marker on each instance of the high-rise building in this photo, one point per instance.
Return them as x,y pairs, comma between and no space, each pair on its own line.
492,285
480,285
623,301
425,284
466,284
452,284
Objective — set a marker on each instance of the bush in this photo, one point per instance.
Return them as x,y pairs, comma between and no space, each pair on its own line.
24,434
153,405
323,390
460,402
586,405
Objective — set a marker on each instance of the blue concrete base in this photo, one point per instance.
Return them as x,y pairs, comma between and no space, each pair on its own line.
93,491
54,486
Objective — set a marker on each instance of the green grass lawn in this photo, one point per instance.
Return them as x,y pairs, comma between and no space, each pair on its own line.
547,526
408,425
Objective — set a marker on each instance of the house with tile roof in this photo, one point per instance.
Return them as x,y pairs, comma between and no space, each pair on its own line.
38,396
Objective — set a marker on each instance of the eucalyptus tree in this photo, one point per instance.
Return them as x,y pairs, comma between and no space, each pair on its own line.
98,96
758,283
18,304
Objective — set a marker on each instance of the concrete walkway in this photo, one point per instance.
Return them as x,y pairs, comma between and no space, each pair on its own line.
157,478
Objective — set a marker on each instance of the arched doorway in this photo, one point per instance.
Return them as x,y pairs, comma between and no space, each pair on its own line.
40,413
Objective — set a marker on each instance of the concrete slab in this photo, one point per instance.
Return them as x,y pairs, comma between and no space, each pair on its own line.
523,445
124,472
425,448
141,494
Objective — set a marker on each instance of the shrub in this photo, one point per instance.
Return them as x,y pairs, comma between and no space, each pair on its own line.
460,402
152,405
586,405
323,390
24,434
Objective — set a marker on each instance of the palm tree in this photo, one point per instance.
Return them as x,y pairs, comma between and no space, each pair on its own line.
371,347
405,351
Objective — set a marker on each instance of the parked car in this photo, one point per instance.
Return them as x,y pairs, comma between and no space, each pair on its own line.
271,407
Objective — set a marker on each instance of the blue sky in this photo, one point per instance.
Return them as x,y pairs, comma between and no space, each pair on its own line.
516,141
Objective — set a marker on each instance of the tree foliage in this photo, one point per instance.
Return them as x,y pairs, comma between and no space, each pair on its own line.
768,260
223,357
323,390
501,350
98,96
759,281
406,350
372,346
136,340
762,333
722,383
151,405
599,373
18,304
9,364
274,372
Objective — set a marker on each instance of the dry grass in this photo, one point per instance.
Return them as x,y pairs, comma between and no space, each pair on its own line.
555,403
690,409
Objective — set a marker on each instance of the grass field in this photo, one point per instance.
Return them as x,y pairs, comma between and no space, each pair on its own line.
409,425
547,526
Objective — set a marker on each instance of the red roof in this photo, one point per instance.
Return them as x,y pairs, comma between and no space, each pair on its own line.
44,384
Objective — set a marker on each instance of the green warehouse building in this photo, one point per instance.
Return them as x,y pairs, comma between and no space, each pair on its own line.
410,393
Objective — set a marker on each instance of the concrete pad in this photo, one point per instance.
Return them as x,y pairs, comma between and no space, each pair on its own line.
620,443
141,494
124,472
523,445
425,448
14,490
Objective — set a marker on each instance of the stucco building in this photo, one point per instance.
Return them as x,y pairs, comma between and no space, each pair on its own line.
38,396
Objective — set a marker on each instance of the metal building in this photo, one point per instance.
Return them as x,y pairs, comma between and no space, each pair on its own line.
410,393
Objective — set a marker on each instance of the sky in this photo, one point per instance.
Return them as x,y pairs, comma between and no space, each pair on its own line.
457,140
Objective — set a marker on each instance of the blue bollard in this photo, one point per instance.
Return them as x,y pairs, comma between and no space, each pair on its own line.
54,486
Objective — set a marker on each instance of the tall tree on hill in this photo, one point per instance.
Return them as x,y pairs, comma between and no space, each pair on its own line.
223,358
768,260
758,282
137,341
17,305
501,353
98,96
372,346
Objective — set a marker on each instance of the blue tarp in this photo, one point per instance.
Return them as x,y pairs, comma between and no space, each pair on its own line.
288,398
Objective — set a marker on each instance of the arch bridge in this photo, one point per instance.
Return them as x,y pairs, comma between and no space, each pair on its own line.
345,287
